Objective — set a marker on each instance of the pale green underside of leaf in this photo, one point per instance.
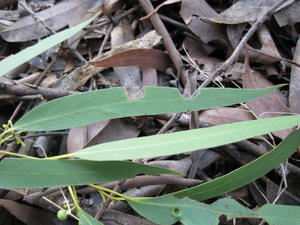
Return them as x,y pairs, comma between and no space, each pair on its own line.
185,141
86,219
91,107
190,212
32,173
245,174
27,54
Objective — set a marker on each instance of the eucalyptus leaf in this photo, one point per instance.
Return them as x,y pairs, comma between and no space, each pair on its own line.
95,106
168,210
33,173
185,141
245,174
25,55
86,219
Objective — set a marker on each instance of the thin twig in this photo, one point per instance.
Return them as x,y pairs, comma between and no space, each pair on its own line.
49,93
260,20
167,40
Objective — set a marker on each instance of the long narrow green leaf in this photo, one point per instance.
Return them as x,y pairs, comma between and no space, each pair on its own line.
245,174
91,107
86,219
168,210
25,55
30,173
185,141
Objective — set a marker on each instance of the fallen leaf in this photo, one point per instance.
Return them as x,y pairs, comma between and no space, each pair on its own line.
116,129
191,11
244,11
267,54
78,137
271,104
224,115
137,57
68,12
289,15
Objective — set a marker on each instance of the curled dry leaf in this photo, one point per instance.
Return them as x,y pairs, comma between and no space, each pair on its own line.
137,57
81,75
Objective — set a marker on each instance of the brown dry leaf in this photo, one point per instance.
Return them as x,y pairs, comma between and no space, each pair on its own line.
137,57
224,115
116,129
191,11
68,12
294,94
78,137
244,11
273,102
81,75
105,131
28,214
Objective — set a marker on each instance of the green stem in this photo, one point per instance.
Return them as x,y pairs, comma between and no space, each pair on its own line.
74,197
124,197
61,156
6,139
4,133
17,155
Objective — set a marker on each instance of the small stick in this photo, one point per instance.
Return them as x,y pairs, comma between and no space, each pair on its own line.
167,40
260,20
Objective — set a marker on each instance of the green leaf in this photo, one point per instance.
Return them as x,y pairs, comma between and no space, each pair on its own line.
86,219
185,141
94,106
168,210
30,173
25,55
245,174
